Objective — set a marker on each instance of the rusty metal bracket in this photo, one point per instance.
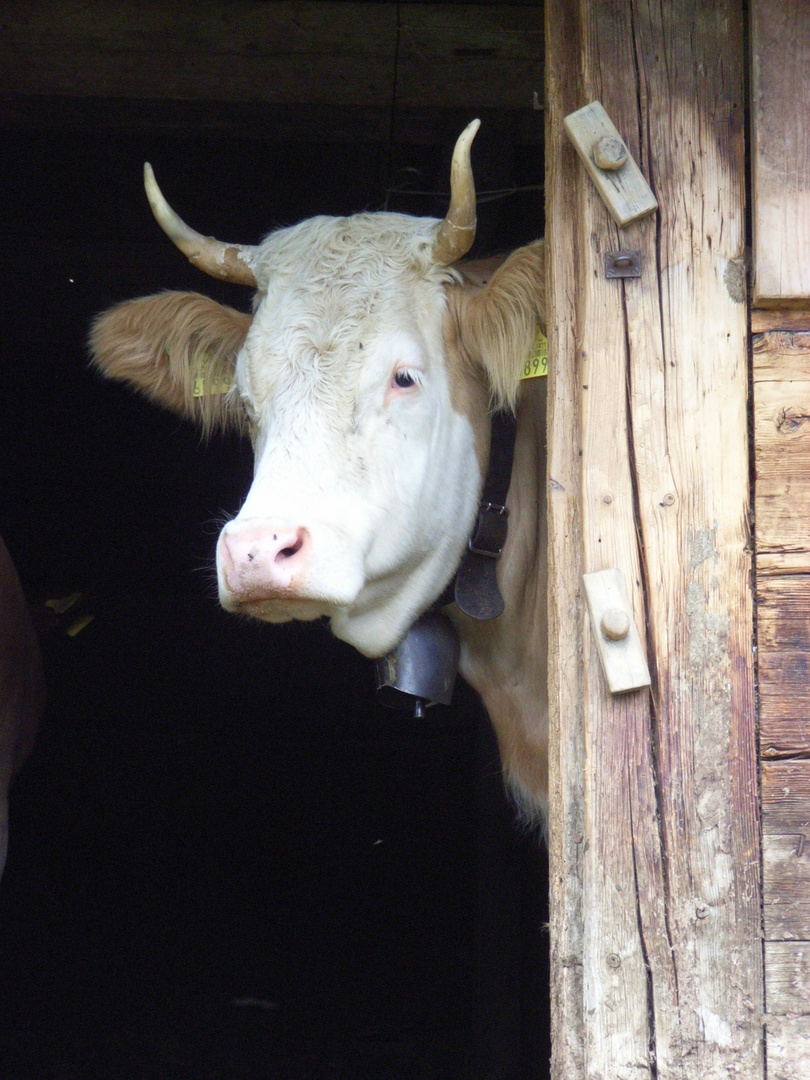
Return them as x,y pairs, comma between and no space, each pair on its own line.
622,264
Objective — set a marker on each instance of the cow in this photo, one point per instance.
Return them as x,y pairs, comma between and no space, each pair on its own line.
22,686
366,376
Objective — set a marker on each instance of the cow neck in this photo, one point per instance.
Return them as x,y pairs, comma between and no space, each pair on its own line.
422,669
475,586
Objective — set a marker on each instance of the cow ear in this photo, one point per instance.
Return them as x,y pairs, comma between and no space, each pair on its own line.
179,349
500,320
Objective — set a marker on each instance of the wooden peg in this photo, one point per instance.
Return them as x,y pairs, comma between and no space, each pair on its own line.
618,179
617,639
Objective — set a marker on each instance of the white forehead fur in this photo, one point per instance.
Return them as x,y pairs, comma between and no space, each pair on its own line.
363,249
328,286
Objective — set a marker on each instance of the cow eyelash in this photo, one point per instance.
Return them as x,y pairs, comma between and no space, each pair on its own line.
404,379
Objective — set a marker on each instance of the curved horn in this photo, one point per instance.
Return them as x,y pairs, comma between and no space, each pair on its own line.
456,233
231,262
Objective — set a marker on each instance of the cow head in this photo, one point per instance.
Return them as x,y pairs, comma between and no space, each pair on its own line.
364,379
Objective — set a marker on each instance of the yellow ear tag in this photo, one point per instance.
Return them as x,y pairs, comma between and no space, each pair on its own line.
537,361
203,388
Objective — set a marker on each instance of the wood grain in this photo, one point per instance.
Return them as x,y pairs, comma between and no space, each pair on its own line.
650,388
783,631
787,972
782,442
780,90
786,886
789,1048
765,319
567,848
316,52
781,377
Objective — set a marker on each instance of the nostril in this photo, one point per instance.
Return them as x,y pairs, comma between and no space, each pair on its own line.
292,549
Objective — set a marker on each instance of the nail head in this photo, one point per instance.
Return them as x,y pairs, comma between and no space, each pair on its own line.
609,153
615,624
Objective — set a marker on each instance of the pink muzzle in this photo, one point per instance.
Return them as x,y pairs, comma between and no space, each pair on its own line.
260,561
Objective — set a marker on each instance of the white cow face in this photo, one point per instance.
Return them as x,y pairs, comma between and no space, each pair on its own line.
364,379
366,478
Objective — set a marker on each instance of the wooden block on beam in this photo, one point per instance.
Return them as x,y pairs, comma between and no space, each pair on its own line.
617,640
780,89
624,190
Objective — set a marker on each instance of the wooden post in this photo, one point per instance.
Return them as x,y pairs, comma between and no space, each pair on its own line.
654,839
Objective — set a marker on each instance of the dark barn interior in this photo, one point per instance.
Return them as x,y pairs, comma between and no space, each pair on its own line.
227,860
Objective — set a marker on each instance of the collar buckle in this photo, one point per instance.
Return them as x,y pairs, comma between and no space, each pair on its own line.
489,536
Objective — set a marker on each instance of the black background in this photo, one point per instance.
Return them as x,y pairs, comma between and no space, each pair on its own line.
227,861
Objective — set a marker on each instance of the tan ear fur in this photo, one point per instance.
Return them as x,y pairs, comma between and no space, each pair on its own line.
497,323
162,344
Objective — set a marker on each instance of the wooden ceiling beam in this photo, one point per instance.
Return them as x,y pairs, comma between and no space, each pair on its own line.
314,53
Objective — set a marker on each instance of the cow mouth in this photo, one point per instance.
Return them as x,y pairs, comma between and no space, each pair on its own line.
277,611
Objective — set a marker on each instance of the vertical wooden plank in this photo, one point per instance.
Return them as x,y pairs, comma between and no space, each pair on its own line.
780,87
689,403
650,376
566,624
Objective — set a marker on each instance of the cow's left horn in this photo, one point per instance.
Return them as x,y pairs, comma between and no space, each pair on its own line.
231,262
457,232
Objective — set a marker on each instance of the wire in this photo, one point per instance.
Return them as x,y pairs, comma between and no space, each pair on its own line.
392,125
481,196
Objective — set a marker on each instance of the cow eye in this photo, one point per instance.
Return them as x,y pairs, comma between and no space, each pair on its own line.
404,379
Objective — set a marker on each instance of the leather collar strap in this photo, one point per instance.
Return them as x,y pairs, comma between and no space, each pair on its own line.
476,589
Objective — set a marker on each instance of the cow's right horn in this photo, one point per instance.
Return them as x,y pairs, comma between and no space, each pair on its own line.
231,262
457,232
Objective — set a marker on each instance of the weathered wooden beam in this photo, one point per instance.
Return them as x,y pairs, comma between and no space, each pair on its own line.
780,89
566,839
765,319
656,957
315,52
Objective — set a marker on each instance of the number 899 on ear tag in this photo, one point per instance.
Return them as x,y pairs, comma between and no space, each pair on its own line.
536,363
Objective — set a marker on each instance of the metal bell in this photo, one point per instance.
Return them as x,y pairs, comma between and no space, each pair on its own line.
422,669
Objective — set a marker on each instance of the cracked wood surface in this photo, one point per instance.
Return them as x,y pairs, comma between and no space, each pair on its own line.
656,954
